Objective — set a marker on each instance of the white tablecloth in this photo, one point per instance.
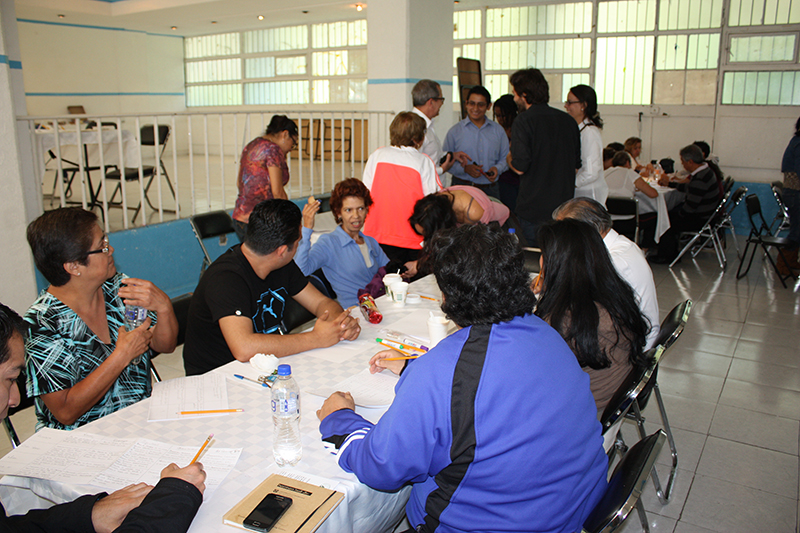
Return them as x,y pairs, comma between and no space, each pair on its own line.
667,199
68,140
362,510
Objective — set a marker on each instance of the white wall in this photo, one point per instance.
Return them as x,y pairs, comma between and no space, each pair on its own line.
104,70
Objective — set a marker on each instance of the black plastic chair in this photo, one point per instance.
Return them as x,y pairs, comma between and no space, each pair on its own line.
147,137
671,328
24,403
209,225
623,211
625,487
760,236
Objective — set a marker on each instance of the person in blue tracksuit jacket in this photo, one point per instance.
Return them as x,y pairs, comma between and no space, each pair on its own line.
495,427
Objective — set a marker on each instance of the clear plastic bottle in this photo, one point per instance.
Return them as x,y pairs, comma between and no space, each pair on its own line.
513,233
134,317
286,445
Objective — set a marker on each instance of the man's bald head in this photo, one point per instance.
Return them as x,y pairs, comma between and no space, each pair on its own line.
587,210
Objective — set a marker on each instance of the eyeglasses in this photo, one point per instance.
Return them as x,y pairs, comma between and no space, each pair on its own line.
470,103
572,102
438,98
103,250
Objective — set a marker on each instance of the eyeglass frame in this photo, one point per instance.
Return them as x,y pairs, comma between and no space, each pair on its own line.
103,250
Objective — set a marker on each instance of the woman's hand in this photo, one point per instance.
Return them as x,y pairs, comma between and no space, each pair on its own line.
144,294
309,212
378,362
134,343
411,270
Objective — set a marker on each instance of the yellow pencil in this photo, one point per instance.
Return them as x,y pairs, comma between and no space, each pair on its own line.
400,358
211,411
428,298
203,447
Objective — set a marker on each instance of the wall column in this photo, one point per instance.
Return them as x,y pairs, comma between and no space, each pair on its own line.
21,199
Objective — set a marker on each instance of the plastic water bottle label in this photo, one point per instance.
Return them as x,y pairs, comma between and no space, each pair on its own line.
285,406
134,316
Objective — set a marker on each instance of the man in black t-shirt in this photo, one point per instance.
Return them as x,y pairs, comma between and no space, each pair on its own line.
237,309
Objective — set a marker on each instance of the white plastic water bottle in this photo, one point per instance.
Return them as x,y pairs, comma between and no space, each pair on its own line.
134,317
286,445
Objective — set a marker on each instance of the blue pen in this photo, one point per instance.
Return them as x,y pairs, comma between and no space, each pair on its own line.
239,376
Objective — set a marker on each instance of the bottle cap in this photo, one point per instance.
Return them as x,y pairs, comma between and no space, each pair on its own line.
512,231
284,370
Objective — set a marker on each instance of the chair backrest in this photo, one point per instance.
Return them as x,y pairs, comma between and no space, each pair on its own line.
673,324
629,389
619,205
754,209
727,185
626,485
148,139
737,198
208,225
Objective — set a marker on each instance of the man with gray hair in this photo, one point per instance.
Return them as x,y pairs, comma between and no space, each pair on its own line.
427,99
702,197
628,259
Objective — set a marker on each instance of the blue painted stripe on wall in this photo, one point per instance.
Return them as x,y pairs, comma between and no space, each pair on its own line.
91,27
105,94
17,65
4,59
394,81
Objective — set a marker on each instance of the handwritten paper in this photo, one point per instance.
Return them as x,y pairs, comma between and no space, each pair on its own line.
368,390
109,463
192,393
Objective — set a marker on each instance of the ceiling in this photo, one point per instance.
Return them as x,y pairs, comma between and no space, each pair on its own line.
190,17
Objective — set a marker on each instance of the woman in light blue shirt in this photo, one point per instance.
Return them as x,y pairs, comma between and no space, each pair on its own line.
348,258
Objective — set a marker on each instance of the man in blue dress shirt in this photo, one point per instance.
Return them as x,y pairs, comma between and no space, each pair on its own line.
485,140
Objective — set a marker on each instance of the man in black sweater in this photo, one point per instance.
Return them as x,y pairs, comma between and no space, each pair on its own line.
702,197
169,507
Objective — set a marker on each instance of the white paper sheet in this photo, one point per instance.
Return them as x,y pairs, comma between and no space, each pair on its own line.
368,390
194,393
110,464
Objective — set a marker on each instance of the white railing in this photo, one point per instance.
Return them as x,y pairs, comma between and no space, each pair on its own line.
200,159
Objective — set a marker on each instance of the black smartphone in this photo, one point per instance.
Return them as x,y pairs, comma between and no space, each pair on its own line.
267,512
444,158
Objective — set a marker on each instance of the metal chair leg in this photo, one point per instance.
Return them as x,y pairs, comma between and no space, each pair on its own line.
665,495
683,250
643,515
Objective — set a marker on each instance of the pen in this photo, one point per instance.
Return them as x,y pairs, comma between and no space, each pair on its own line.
395,344
415,344
400,358
211,411
262,383
395,349
203,447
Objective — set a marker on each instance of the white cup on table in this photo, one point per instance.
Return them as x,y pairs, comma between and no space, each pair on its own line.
388,280
437,328
399,293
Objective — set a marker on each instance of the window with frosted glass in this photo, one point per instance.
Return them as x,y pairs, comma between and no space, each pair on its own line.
467,24
763,12
761,88
624,70
214,95
543,19
626,16
276,92
571,80
762,48
689,14
338,34
215,70
497,85
276,39
679,52
470,51
543,54
223,44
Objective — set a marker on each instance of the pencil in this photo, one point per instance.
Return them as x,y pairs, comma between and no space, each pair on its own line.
395,349
203,447
428,298
211,411
400,358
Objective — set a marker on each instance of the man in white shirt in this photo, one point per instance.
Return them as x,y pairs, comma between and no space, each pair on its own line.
427,99
628,259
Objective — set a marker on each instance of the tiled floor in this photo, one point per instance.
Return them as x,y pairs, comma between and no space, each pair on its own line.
731,385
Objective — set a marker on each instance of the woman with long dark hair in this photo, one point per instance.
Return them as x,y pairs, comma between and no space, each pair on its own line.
581,105
590,305
505,111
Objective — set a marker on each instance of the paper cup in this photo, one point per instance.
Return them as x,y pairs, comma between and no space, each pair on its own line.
399,293
388,280
437,329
